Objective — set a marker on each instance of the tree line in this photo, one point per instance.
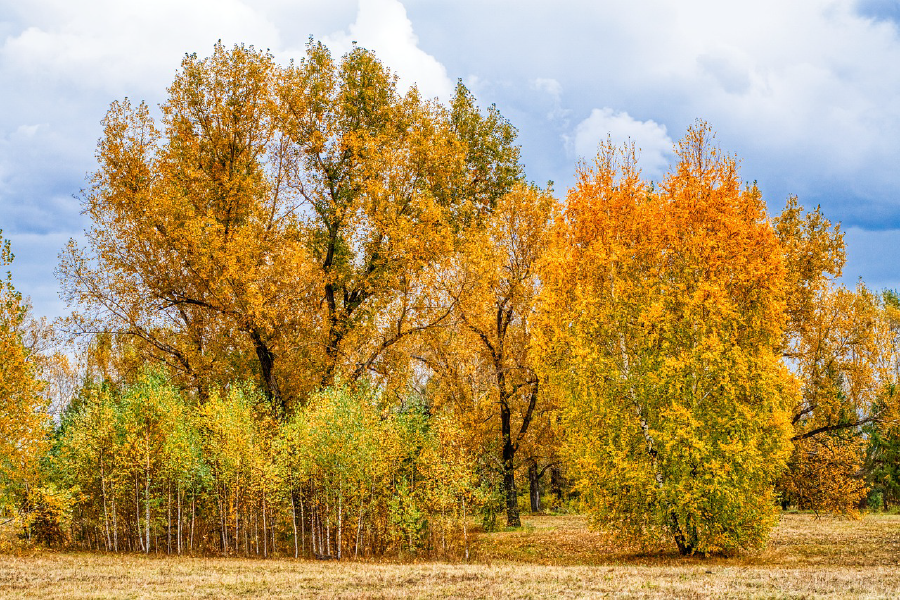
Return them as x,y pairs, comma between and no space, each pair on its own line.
321,317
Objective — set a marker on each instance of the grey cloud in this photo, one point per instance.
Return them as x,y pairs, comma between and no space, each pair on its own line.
728,70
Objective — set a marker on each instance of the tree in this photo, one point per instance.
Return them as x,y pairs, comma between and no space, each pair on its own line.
842,345
191,250
389,181
493,284
24,423
284,220
661,317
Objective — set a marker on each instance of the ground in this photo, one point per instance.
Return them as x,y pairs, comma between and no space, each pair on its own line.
808,557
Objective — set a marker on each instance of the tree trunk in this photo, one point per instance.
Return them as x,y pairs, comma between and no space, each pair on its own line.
509,471
265,532
312,530
105,517
358,529
685,545
237,512
115,523
302,524
465,529
147,503
178,498
534,486
169,521
556,482
294,523
267,369
193,515
221,504
137,509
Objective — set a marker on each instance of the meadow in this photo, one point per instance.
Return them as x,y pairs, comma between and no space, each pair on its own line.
550,556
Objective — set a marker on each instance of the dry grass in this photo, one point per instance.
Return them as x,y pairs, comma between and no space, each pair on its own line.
799,540
551,557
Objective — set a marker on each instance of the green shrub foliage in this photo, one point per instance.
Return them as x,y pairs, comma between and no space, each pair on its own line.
148,470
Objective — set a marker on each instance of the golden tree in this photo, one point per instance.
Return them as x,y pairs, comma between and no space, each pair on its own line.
192,244
389,181
842,346
486,370
662,314
24,422
284,220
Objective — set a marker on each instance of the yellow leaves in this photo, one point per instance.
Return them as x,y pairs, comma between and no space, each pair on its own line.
662,309
24,422
823,474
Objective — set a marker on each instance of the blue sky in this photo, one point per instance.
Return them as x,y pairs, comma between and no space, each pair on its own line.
806,93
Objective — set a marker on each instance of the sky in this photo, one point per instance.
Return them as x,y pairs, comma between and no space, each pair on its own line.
805,93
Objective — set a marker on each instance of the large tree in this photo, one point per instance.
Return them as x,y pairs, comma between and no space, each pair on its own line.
285,220
662,314
193,244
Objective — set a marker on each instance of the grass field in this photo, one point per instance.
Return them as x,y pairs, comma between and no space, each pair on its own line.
549,557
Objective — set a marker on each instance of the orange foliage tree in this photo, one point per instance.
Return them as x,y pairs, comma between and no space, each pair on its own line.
483,361
280,220
842,346
661,318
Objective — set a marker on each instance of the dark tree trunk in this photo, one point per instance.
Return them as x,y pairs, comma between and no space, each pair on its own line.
685,545
556,482
267,370
509,471
534,486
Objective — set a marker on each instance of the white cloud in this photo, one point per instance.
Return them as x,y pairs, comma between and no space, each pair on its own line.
384,27
804,92
553,91
125,47
547,85
649,137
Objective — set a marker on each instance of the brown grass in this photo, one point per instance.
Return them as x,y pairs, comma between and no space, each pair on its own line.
550,557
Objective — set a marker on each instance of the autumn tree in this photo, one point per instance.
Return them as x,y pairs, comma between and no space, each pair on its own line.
842,345
23,409
282,220
388,180
191,248
662,315
493,283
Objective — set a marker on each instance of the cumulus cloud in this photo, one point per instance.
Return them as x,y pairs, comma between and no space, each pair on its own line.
803,91
384,27
547,85
62,63
649,137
